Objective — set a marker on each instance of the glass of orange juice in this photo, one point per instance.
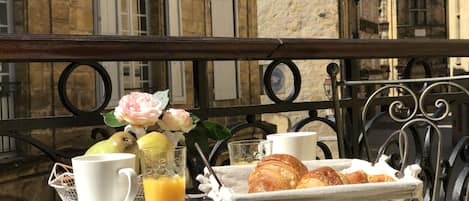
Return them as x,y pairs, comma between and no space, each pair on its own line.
163,174
244,152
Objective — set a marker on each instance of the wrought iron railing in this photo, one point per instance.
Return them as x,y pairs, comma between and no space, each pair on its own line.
351,135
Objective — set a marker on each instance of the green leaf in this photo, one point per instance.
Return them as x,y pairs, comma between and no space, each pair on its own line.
216,131
163,98
111,121
200,135
195,119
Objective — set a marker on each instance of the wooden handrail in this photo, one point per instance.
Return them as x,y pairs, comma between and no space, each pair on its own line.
124,48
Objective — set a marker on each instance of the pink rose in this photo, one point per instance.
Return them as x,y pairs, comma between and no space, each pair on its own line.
176,120
138,109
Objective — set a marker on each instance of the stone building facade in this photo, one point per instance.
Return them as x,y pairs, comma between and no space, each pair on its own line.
24,174
300,19
37,95
422,19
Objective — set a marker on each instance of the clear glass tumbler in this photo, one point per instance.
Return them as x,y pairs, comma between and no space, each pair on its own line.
245,152
163,174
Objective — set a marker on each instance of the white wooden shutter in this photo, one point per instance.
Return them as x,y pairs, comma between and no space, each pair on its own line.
224,72
458,28
176,71
7,75
107,20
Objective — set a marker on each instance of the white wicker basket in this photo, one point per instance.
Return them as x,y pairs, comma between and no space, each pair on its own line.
61,179
235,180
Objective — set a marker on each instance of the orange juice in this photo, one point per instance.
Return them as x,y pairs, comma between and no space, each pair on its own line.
164,188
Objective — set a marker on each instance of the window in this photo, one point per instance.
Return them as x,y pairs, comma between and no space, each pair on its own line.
225,73
418,12
176,72
131,17
133,20
124,17
5,16
7,144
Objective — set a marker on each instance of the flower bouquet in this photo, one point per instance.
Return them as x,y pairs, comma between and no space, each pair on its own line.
142,113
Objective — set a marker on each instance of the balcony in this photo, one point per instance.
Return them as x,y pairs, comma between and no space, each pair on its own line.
361,123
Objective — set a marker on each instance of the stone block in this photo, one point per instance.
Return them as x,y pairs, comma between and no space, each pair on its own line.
44,136
61,10
77,138
39,76
38,17
27,189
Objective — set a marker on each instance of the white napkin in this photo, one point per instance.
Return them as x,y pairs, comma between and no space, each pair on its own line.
209,185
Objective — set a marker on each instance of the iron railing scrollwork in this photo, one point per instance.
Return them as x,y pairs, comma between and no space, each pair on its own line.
412,115
296,81
56,155
62,87
200,50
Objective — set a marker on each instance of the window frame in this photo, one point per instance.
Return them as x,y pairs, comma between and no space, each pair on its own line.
116,69
131,83
415,12
176,69
8,101
9,15
223,71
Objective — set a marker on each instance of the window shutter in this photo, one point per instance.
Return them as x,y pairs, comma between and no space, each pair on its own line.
7,75
176,72
107,20
225,73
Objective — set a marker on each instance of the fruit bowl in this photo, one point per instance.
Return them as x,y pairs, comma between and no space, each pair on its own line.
61,179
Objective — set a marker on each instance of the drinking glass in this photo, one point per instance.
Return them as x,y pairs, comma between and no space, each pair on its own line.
248,151
163,174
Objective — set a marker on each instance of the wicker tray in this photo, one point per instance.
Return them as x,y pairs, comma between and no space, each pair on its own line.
235,180
61,179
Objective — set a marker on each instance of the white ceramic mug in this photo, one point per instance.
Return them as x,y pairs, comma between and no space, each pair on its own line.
105,177
302,145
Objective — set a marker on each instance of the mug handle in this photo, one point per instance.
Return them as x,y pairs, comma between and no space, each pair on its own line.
132,178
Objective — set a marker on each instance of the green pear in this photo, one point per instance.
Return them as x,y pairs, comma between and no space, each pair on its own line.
119,142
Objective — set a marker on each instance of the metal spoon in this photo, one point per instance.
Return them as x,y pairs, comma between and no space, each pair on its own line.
199,150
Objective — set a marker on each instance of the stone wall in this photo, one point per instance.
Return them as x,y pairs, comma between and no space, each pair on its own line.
300,19
38,96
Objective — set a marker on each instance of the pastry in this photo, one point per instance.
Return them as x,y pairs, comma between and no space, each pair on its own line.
357,177
323,176
379,178
284,172
276,172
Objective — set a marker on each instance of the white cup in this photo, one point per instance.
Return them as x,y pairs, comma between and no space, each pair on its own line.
302,145
105,177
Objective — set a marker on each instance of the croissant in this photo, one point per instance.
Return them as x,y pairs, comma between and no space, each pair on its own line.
357,177
379,178
276,172
323,176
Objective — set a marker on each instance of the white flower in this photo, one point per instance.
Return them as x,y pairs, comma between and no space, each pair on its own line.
176,120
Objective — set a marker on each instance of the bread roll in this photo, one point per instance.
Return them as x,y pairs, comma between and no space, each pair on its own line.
323,176
276,172
358,177
379,178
